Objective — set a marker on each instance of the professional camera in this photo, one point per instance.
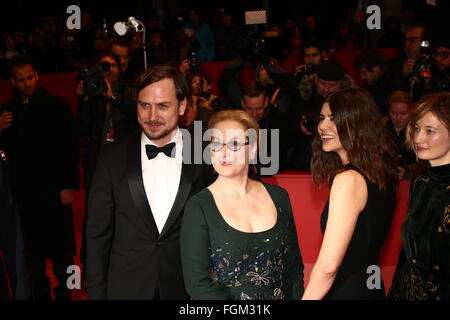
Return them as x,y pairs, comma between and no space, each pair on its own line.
431,81
305,72
310,120
194,62
94,83
424,64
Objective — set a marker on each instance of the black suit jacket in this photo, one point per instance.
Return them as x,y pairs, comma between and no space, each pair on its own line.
127,258
42,151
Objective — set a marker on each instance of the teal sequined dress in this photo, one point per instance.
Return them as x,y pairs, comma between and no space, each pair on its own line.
220,262
423,270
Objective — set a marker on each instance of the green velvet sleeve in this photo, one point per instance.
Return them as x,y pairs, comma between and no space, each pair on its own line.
195,256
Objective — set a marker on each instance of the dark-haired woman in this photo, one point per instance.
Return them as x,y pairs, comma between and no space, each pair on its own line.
423,269
354,153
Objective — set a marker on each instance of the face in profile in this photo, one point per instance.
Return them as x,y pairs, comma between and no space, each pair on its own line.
232,147
432,140
158,110
329,134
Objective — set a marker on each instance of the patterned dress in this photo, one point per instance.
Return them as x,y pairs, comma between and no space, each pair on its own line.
220,262
423,269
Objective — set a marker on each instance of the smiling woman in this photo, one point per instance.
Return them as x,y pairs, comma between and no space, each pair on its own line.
355,154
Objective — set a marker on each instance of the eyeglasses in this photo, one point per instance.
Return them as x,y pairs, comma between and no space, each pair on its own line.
233,145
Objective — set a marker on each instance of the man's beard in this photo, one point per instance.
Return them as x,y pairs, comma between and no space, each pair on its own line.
159,135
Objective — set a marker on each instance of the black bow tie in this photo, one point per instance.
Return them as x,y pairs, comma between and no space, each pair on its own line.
153,151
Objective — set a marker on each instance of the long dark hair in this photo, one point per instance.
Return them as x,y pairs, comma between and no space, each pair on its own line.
363,136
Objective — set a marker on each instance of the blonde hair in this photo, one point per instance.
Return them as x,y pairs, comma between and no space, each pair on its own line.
242,118
400,96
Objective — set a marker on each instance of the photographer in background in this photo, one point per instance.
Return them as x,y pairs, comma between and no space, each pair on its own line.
105,115
329,79
280,86
379,78
306,75
201,90
256,103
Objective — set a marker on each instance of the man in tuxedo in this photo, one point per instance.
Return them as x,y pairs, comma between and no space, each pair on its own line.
137,198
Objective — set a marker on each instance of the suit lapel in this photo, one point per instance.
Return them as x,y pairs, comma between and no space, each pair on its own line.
136,183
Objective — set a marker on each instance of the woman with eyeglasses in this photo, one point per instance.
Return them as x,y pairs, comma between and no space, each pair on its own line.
238,239
354,154
423,269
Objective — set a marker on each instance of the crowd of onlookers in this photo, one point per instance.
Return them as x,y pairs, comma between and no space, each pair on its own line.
280,74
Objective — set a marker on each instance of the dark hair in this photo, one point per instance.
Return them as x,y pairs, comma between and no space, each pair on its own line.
316,44
202,75
253,89
160,72
427,32
120,42
436,103
20,60
110,54
370,59
364,137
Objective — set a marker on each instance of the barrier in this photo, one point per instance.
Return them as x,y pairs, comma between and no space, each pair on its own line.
307,205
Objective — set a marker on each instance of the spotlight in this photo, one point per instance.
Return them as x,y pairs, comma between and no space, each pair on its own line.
132,24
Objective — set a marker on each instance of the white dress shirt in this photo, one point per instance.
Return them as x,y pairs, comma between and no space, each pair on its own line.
161,177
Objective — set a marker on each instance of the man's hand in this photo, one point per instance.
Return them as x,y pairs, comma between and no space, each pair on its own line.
6,120
108,93
202,102
408,67
67,196
304,130
80,88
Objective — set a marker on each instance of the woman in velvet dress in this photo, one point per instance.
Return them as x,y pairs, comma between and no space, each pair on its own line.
355,154
423,269
238,239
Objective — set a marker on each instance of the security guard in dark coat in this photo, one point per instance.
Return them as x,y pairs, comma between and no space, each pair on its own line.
38,134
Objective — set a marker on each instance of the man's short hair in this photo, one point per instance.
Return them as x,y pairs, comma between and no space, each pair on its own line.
253,89
370,59
315,44
445,42
160,72
427,32
201,75
107,53
20,60
120,42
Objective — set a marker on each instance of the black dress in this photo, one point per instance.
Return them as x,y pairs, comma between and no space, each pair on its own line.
423,269
370,232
